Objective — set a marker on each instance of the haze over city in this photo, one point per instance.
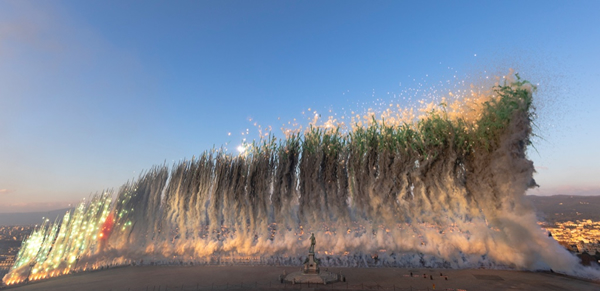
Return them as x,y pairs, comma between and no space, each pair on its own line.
94,92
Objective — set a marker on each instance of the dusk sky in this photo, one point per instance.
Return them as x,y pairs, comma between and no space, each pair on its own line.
94,92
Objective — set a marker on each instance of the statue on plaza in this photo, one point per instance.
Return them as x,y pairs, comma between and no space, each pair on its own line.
311,272
311,264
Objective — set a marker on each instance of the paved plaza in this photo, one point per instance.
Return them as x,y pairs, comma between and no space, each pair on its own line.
268,278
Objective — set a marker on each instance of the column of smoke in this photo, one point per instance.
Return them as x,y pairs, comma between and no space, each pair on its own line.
405,194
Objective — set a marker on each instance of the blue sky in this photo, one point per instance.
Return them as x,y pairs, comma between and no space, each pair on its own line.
93,92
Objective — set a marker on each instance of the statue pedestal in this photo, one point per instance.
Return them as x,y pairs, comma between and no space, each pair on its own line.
311,266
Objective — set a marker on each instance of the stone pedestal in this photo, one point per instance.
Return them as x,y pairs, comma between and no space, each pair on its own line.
320,278
311,265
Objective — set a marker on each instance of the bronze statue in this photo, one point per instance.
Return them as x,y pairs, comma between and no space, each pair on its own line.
313,241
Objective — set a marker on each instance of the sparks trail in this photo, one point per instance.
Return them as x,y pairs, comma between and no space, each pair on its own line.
445,189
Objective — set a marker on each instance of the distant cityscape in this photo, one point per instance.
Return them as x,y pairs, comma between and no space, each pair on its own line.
578,237
11,238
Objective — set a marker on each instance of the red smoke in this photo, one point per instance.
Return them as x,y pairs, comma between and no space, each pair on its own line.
106,228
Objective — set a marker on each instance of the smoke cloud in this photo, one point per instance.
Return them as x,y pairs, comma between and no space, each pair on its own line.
444,191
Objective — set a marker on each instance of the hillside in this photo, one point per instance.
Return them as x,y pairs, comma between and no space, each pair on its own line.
30,218
566,207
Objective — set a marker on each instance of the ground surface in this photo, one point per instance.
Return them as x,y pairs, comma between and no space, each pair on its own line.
267,278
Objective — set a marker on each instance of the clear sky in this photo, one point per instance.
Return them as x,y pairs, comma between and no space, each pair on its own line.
93,92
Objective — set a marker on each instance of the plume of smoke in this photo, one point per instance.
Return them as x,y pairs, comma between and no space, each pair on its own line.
446,190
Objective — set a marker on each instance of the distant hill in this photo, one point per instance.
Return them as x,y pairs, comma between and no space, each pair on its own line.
30,218
566,207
